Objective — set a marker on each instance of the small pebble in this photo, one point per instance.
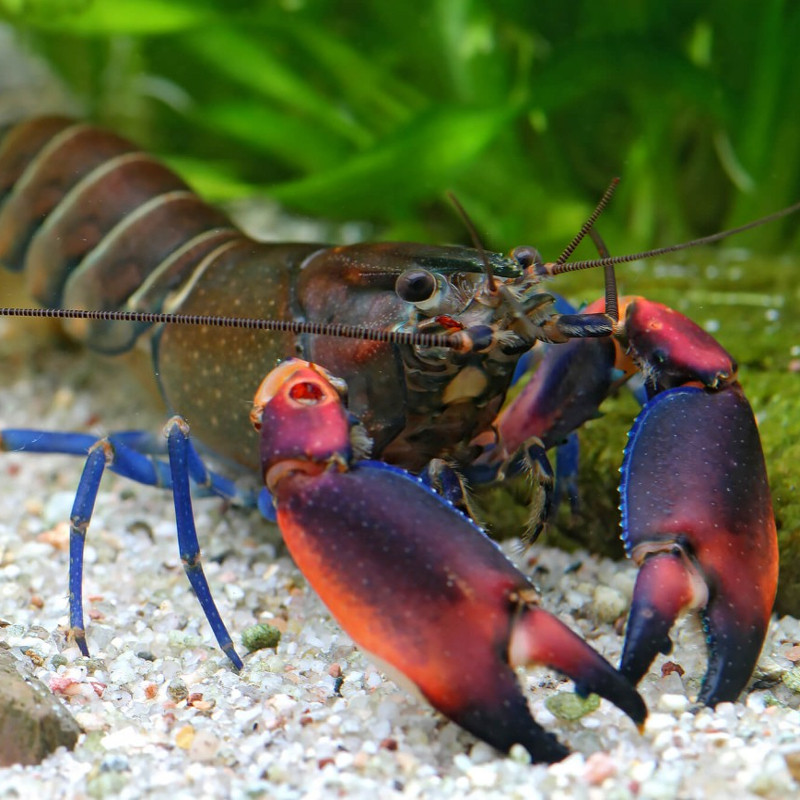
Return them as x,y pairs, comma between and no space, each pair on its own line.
673,703
792,678
203,746
792,760
177,690
145,655
608,604
184,737
599,766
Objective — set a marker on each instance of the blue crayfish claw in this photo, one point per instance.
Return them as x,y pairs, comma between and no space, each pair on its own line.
697,517
415,583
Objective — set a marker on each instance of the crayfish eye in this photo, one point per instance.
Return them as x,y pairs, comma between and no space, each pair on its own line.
416,285
526,256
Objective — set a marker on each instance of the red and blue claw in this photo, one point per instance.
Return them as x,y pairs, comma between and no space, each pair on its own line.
697,517
413,582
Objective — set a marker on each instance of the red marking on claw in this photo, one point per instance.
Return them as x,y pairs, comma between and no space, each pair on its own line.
674,349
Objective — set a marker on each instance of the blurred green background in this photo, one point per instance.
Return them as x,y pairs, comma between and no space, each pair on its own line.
370,110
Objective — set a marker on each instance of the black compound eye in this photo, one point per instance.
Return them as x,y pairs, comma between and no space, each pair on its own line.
526,256
416,285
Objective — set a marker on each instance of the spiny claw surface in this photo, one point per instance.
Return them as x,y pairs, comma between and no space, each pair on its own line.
697,515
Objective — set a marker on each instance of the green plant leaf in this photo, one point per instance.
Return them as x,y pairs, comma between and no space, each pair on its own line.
109,17
286,138
418,162
214,181
366,85
250,63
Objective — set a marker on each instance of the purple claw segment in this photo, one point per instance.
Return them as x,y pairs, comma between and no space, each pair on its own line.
539,637
568,386
665,586
570,382
421,588
695,483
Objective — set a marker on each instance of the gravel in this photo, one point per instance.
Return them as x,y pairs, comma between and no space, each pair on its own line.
164,715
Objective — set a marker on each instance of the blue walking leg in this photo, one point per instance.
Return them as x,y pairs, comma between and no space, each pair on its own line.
82,508
131,454
179,456
133,458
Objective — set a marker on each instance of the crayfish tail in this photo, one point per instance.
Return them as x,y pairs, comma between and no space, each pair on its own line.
539,637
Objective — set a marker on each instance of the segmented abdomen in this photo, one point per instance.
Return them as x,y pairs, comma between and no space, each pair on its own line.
97,224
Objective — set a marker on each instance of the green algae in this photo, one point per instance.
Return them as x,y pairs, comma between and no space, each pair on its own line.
260,637
570,706
792,678
749,303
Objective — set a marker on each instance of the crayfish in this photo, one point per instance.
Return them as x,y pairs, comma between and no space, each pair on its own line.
424,342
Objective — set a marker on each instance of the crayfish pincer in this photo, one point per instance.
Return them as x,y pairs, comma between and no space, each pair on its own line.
696,507
413,581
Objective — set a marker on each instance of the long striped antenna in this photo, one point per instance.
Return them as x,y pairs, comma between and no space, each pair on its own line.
559,268
455,341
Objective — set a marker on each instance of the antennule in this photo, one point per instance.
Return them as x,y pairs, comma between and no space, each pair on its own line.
611,293
589,224
476,240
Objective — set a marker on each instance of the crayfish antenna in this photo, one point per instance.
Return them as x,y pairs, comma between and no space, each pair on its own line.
559,268
455,341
